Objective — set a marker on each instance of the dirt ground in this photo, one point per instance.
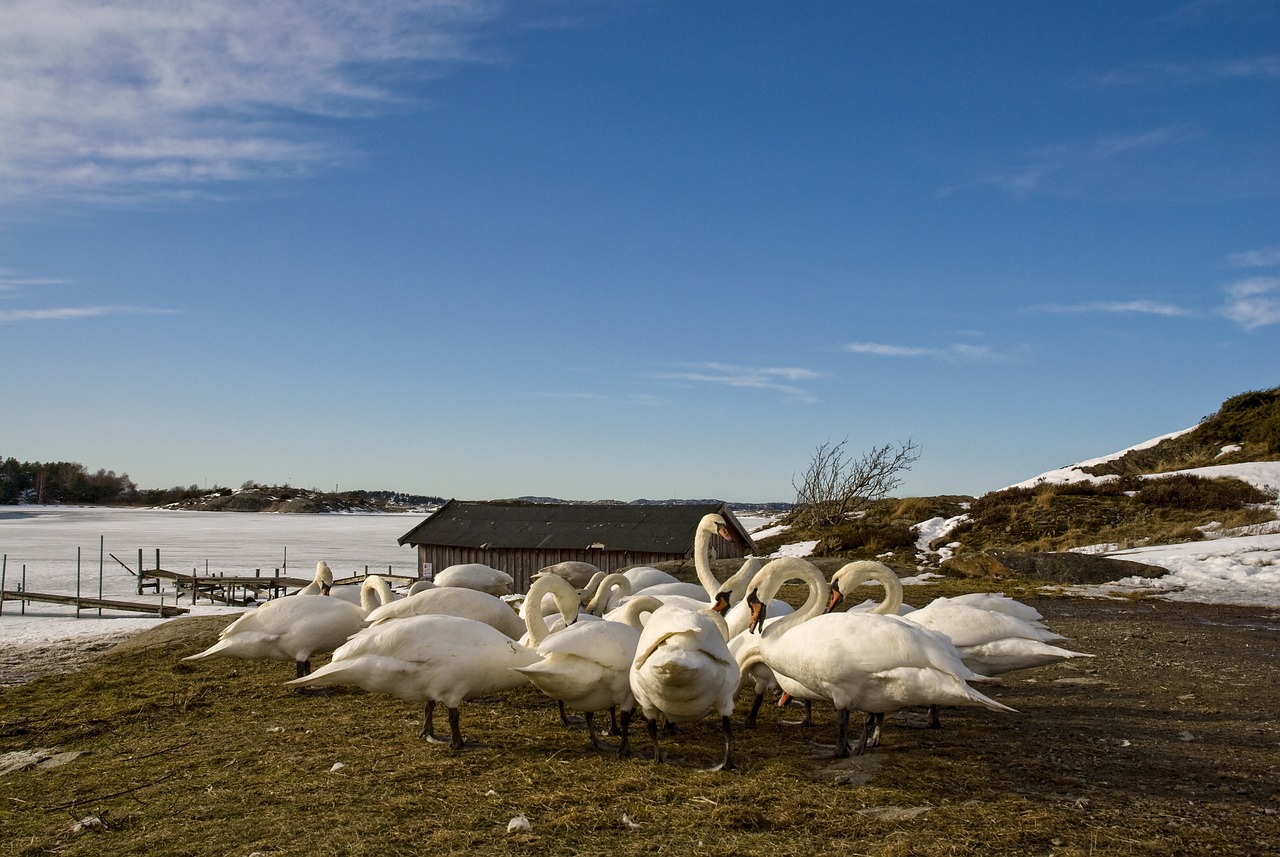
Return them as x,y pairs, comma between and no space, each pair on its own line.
1167,741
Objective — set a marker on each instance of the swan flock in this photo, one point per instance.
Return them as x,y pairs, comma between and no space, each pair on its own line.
643,643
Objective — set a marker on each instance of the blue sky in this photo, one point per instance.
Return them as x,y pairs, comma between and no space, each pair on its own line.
613,249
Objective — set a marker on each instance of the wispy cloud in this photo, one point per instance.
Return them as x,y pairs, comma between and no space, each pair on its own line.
1266,257
1131,307
1061,161
959,352
1254,302
1160,73
68,313
125,99
785,380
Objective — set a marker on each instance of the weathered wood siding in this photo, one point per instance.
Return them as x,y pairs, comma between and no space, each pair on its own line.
523,563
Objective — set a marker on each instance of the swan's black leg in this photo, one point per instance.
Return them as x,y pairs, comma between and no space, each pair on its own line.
614,729
652,726
808,713
726,728
303,668
877,724
750,722
428,722
934,721
867,725
455,730
624,749
591,732
842,734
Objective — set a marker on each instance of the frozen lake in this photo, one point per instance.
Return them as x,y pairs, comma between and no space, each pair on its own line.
45,540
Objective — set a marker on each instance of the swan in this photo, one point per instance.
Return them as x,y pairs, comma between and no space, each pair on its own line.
420,586
580,574
683,669
642,576
295,628
610,592
454,601
991,642
746,647
429,659
475,575
586,665
322,583
872,662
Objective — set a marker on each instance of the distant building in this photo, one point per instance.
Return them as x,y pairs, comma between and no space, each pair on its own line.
520,538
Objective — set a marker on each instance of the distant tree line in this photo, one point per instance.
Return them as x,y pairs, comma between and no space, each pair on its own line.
69,483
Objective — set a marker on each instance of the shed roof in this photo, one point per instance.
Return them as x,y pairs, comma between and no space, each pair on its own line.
570,526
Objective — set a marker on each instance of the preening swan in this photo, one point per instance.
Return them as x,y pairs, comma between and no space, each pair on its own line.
585,666
454,601
428,659
322,583
295,627
684,671
475,575
870,662
576,572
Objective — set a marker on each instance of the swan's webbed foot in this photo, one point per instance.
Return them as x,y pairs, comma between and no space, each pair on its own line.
590,718
565,720
726,764
428,724
877,724
456,741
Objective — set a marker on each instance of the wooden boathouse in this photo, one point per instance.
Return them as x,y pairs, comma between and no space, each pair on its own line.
521,537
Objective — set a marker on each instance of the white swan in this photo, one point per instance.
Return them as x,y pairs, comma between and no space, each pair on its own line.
420,586
585,666
475,575
454,601
870,662
642,576
683,670
294,628
428,659
322,582
579,573
991,642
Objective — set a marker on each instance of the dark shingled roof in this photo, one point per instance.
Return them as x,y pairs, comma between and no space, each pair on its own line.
569,526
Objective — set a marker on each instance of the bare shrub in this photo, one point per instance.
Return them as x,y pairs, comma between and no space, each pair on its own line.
836,486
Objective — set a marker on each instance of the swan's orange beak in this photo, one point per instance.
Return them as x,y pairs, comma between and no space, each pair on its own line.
721,604
835,597
725,533
325,587
757,612
784,699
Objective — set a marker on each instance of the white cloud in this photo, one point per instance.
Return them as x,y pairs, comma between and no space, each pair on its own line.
1141,307
120,99
65,313
1245,68
956,352
777,379
1265,257
1254,302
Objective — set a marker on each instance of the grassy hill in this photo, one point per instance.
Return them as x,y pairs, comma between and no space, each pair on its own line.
1126,502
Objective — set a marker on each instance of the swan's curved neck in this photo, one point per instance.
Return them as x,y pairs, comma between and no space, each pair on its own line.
633,611
769,580
702,558
566,598
374,592
608,591
855,574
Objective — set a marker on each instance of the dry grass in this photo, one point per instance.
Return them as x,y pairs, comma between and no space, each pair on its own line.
219,759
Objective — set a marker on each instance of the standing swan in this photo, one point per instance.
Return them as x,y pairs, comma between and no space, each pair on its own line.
586,665
683,670
428,659
869,662
295,627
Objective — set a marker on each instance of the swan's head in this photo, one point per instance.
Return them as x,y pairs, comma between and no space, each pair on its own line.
324,577
721,602
716,525
836,596
757,609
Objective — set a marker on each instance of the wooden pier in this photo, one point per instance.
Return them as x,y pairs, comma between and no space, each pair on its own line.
81,603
